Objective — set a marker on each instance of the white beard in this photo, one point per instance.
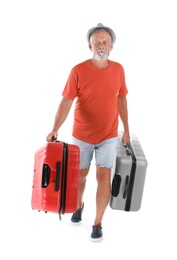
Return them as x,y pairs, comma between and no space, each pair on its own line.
101,55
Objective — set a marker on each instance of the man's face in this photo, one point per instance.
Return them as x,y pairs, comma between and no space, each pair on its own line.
101,45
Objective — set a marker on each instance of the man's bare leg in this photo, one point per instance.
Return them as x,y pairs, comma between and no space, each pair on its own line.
103,192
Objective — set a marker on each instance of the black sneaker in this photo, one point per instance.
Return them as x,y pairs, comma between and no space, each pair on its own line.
97,233
77,215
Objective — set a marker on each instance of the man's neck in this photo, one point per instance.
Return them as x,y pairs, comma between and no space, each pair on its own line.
100,64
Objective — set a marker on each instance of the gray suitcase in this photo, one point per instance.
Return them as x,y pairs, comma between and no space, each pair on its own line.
128,175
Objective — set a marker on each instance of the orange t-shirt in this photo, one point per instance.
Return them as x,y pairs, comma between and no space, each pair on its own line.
97,91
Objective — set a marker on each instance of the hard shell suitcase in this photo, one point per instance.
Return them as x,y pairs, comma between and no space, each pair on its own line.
56,178
128,175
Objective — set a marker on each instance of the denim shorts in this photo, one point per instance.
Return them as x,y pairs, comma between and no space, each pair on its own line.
104,152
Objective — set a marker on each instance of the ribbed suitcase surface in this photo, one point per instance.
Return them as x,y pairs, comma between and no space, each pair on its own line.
56,178
128,175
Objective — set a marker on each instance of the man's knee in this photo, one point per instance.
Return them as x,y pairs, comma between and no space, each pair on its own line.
84,171
103,168
103,173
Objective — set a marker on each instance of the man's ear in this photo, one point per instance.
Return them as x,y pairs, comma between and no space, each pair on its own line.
111,46
90,46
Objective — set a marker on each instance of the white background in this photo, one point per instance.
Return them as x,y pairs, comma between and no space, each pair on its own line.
40,41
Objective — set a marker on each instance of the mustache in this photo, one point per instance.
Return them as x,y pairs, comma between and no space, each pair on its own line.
101,51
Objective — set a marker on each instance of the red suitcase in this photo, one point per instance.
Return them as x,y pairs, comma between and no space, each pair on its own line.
56,178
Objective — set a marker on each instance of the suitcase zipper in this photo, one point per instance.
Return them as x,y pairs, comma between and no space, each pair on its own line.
131,179
63,180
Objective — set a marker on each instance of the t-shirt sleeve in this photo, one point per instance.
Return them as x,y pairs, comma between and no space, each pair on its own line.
123,90
70,89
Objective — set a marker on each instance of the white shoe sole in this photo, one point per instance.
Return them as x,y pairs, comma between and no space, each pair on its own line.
76,223
96,239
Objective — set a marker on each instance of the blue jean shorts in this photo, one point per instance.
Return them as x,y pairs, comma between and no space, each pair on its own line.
104,152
